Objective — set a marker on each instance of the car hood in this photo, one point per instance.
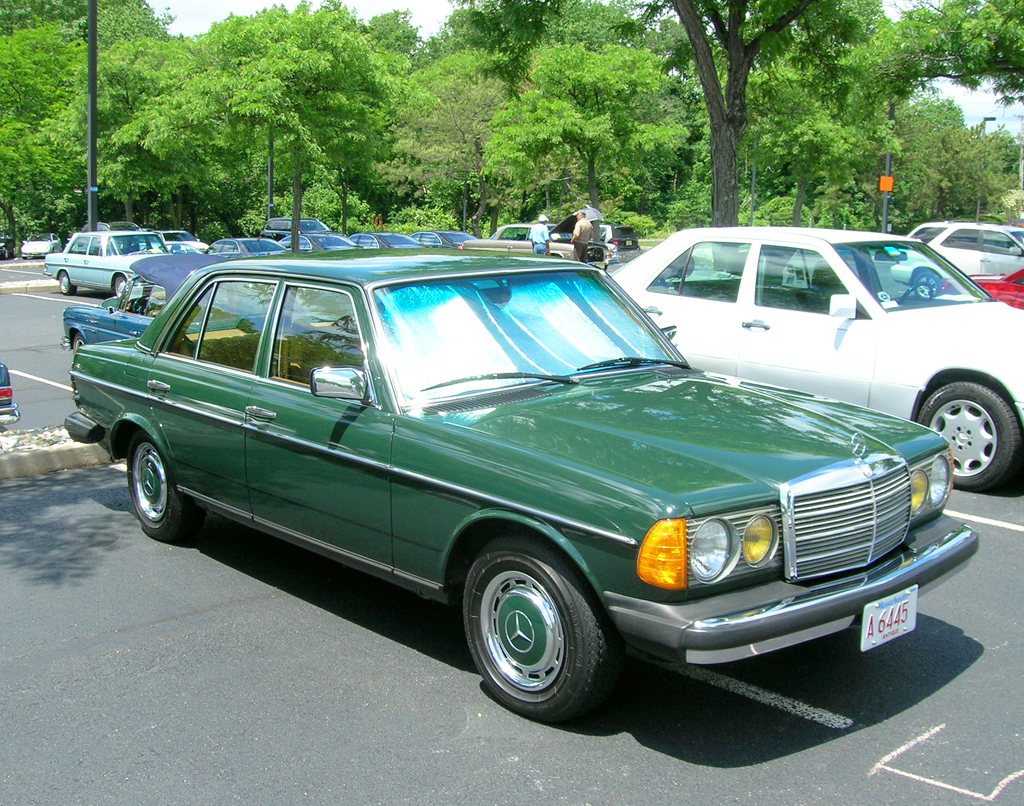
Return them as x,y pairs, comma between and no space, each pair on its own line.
690,440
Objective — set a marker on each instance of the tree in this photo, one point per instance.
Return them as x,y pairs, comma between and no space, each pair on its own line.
38,71
596,111
727,39
309,78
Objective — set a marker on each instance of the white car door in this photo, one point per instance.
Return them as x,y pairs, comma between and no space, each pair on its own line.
787,336
698,292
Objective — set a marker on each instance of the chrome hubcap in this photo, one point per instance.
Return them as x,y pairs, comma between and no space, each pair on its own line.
522,631
971,432
149,483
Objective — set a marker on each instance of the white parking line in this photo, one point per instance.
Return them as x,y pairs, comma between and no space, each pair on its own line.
795,707
58,299
1013,527
40,380
884,765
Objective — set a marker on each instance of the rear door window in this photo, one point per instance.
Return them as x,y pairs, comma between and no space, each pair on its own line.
966,238
708,270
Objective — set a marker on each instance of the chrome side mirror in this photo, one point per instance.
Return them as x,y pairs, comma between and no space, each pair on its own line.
339,383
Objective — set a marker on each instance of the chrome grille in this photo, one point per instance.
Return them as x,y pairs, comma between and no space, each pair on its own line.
847,527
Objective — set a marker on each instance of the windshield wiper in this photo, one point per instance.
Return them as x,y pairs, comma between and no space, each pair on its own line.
633,361
498,376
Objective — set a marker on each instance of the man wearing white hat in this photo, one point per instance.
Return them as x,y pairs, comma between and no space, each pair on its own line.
540,236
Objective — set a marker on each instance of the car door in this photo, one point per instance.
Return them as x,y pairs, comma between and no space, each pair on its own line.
1000,254
698,292
199,385
317,467
962,247
73,260
787,336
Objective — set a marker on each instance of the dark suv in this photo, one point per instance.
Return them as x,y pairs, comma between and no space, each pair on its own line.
621,240
7,248
278,228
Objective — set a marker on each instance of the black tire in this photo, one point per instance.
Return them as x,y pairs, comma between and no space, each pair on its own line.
539,638
117,284
67,288
77,340
924,283
165,514
982,429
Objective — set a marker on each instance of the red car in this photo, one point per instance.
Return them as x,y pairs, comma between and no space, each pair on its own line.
1009,289
8,411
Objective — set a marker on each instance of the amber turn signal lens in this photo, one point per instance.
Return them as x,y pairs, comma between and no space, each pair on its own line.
918,489
662,558
758,538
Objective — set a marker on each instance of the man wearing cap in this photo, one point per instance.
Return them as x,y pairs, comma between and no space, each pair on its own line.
540,236
581,236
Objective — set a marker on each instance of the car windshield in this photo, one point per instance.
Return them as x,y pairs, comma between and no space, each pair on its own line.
458,237
143,298
312,225
336,242
548,323
137,242
908,274
38,236
395,239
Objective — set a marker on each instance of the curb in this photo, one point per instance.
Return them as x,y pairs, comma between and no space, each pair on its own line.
25,288
21,464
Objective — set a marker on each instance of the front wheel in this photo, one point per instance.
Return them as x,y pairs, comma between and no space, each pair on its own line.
543,644
65,284
982,430
165,514
77,341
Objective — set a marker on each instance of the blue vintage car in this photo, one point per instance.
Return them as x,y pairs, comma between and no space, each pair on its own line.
154,280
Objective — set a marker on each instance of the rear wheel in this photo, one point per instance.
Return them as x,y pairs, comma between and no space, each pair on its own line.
117,284
539,637
66,287
982,430
165,514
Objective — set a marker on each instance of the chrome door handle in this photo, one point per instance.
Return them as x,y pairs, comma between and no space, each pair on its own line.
158,386
654,310
757,324
260,414
134,332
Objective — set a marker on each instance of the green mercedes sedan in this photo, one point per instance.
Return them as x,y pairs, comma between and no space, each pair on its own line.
514,435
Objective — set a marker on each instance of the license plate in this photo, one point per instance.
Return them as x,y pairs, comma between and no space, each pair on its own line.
888,618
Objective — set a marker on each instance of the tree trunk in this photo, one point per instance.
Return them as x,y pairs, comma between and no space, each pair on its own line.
129,206
798,204
727,111
595,200
296,200
481,208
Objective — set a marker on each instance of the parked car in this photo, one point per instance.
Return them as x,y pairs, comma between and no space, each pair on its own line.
871,319
442,238
185,248
384,240
322,242
154,280
40,244
621,240
245,246
513,435
173,236
278,228
515,238
8,408
1008,289
975,248
7,247
121,226
100,260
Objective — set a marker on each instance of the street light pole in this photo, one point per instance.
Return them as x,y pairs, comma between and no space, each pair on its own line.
981,177
91,184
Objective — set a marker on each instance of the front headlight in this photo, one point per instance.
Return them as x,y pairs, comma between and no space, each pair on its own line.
930,485
711,550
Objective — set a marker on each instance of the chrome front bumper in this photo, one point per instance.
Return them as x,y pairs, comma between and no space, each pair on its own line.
9,415
739,624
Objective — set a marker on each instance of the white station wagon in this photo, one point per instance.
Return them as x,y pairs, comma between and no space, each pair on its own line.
877,320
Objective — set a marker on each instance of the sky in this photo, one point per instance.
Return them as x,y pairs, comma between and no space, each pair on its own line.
195,16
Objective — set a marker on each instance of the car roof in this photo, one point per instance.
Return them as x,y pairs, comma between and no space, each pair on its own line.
389,265
806,235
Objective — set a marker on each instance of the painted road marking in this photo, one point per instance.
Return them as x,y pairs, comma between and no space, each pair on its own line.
884,765
765,697
987,521
58,299
40,380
